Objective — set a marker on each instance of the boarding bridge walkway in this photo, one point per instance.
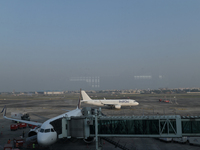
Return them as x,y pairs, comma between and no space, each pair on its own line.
94,124
147,126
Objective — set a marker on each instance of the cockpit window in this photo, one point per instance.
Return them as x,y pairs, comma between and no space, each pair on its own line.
52,130
42,130
47,130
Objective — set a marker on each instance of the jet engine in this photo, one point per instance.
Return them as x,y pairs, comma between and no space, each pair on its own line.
33,132
117,106
89,140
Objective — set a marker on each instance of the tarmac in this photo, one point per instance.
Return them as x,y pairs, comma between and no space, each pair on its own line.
41,110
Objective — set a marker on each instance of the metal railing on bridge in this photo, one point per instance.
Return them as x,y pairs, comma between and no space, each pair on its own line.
138,126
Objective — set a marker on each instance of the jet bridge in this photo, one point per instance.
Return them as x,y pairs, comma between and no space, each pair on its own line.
138,126
94,124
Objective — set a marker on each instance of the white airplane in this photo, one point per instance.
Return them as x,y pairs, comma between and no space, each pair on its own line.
116,103
47,132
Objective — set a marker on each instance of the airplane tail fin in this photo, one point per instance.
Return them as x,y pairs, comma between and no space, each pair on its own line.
85,96
79,101
4,114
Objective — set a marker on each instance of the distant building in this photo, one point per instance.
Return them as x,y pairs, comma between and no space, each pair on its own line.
53,93
39,92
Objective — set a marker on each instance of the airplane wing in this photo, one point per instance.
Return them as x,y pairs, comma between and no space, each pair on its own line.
110,105
24,121
84,101
117,106
66,110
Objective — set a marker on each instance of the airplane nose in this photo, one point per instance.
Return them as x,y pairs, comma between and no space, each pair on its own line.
46,139
137,103
42,139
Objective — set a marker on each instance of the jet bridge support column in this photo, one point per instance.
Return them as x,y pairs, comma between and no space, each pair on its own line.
178,126
96,130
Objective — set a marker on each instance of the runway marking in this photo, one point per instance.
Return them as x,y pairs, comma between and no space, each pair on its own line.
181,108
178,108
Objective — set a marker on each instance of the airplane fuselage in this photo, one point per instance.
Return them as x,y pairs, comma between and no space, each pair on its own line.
122,102
47,135
116,103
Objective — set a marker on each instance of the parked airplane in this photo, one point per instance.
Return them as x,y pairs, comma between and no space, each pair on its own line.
116,103
47,132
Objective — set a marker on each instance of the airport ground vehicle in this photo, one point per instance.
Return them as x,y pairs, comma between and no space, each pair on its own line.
13,127
166,101
18,115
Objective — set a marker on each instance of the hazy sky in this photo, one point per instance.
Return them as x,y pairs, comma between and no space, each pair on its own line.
125,44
